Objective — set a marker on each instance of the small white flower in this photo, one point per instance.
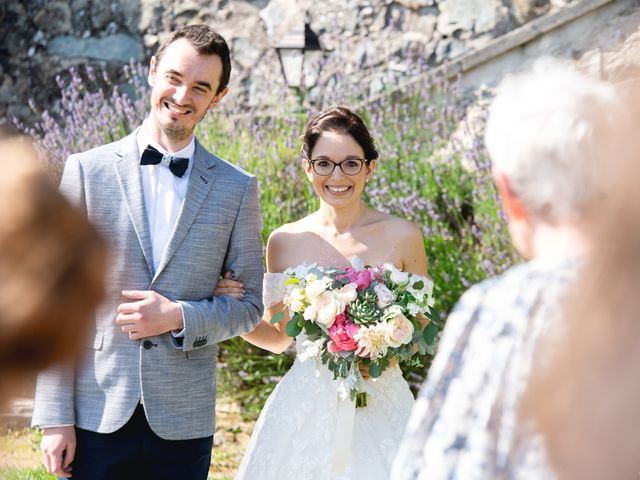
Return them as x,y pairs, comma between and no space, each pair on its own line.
297,294
311,349
385,296
414,309
310,313
296,306
311,277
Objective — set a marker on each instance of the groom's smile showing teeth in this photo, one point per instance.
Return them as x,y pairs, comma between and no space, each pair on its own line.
175,108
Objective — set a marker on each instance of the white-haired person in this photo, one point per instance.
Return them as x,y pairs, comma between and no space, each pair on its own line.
549,134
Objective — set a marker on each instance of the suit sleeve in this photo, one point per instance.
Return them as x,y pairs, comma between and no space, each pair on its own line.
54,398
211,321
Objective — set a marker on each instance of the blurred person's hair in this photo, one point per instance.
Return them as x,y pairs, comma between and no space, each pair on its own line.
549,132
52,263
585,401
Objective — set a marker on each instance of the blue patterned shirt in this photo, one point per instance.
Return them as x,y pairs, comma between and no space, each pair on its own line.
464,424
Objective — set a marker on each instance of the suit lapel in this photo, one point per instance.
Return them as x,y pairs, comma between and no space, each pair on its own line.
130,182
200,182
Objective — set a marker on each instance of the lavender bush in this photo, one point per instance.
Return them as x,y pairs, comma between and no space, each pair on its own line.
444,186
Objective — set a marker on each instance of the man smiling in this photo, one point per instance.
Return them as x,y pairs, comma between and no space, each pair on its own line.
141,402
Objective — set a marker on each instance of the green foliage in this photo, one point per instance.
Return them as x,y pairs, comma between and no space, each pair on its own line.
26,474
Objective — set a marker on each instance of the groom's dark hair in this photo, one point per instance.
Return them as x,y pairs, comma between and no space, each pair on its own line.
206,41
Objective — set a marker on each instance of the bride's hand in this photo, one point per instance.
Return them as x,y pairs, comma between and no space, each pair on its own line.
227,286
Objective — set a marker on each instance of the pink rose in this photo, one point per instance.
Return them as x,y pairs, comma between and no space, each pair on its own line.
341,334
362,278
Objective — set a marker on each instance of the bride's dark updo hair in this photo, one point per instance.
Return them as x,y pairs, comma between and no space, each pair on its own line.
338,120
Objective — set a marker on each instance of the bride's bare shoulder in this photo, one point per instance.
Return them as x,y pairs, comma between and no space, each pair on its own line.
284,244
399,228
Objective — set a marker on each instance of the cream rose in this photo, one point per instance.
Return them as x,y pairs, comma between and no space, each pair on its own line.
327,306
315,288
399,331
346,294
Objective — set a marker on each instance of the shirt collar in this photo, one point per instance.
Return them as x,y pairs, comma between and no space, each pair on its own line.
144,138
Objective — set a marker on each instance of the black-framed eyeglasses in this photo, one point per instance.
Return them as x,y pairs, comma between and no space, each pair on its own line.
350,166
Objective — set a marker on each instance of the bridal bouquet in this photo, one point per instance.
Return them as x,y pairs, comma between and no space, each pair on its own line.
360,315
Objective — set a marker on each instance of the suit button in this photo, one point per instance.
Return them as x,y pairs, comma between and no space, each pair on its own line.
147,344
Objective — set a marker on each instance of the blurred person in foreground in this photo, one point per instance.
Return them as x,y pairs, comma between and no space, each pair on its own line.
585,404
549,134
51,267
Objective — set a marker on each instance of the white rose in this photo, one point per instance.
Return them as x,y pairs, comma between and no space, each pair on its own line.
327,306
385,296
399,331
311,277
315,288
310,313
346,294
399,277
296,294
296,306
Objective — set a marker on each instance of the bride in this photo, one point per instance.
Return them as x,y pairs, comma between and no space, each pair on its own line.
301,433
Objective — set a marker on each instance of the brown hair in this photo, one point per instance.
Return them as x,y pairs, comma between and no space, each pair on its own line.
52,263
206,41
339,120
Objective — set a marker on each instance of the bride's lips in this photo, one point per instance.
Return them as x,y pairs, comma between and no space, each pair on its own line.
338,189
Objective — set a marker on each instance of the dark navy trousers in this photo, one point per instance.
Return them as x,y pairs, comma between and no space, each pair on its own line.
135,452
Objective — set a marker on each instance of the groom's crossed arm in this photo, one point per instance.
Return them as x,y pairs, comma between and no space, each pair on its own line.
206,322
215,320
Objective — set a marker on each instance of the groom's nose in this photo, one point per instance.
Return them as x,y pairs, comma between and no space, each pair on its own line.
181,94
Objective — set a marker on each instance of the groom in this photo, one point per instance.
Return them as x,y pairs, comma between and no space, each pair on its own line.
141,402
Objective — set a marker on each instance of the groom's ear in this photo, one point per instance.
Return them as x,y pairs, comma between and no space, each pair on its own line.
153,67
217,98
511,202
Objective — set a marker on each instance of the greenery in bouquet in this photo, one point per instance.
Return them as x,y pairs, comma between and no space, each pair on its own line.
361,315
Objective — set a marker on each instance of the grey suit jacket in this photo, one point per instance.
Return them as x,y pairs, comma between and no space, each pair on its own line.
218,229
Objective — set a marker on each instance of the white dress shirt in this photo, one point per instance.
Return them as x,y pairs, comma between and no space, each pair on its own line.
164,193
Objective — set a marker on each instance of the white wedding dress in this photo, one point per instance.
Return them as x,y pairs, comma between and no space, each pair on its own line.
306,432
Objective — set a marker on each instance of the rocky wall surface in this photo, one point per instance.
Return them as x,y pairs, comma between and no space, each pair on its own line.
368,43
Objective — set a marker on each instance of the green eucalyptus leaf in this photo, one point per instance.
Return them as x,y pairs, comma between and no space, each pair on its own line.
277,318
375,369
419,285
430,332
292,328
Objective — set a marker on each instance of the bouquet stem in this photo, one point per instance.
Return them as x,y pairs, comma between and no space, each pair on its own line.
361,399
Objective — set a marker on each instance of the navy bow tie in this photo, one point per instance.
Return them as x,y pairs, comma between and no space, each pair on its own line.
177,165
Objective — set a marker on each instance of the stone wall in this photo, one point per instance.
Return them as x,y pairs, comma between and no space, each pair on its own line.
371,43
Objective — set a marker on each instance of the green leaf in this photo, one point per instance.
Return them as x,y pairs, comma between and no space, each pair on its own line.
419,285
375,370
293,329
430,332
311,328
277,317
292,281
434,315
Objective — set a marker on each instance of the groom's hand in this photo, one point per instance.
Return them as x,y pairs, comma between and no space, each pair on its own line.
148,314
58,448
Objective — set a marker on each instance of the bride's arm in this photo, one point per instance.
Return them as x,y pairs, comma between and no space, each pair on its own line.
267,336
414,257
